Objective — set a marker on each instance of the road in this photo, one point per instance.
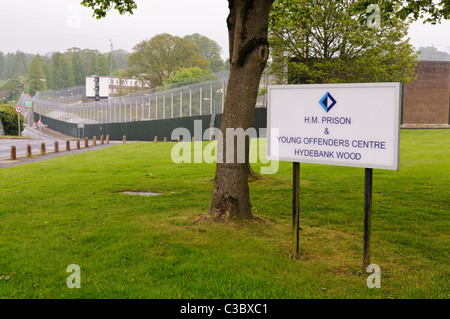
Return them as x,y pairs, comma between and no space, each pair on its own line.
35,141
35,137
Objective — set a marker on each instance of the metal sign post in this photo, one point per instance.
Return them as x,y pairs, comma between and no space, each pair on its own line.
295,208
19,110
367,215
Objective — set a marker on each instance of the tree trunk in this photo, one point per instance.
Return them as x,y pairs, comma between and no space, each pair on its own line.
247,30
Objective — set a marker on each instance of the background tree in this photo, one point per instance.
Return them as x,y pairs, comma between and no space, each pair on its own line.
35,74
15,65
247,24
92,69
160,57
61,71
185,76
78,70
209,49
66,69
120,59
102,65
2,63
329,42
47,72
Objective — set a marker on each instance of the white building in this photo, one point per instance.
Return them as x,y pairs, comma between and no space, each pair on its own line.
102,87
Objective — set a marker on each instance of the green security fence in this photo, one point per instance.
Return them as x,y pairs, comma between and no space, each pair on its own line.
145,130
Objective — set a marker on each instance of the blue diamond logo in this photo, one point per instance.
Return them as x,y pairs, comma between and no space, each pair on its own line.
325,102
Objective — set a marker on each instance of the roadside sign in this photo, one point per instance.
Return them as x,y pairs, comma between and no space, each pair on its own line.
39,123
353,124
336,124
19,109
28,104
33,125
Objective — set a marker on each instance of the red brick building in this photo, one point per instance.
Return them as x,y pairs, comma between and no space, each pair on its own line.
427,99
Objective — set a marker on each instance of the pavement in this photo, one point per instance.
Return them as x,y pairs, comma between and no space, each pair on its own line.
35,138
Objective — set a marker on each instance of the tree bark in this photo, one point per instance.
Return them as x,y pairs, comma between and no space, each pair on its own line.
247,30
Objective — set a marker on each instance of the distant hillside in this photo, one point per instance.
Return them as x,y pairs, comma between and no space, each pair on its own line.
121,57
432,54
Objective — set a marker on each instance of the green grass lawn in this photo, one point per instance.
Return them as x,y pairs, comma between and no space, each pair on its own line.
69,210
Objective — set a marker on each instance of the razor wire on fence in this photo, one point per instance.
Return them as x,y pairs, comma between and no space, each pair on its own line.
69,105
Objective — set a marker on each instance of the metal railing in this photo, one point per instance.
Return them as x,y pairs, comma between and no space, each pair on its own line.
159,103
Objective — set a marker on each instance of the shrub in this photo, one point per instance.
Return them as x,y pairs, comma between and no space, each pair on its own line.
8,117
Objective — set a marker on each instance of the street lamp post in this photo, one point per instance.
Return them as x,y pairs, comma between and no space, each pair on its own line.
28,85
28,92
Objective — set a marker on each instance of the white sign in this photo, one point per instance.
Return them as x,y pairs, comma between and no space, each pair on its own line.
19,109
28,104
336,124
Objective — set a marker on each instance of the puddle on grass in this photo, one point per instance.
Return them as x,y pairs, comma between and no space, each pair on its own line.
141,193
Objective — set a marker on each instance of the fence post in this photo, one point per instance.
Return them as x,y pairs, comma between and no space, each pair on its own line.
210,100
94,141
164,107
42,148
86,142
13,153
124,139
181,103
201,100
67,145
156,139
171,109
56,146
102,140
29,150
165,139
78,143
223,95
107,139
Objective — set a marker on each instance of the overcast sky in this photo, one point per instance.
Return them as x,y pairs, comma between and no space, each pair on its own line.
41,26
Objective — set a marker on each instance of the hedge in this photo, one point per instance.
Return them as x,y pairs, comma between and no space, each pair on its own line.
8,116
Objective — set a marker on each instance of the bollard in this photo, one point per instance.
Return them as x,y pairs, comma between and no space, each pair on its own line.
13,153
42,148
56,146
67,145
29,150
107,139
86,142
165,140
156,139
102,140
124,139
78,143
94,141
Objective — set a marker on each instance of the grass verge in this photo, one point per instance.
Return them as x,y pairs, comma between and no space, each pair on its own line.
69,210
